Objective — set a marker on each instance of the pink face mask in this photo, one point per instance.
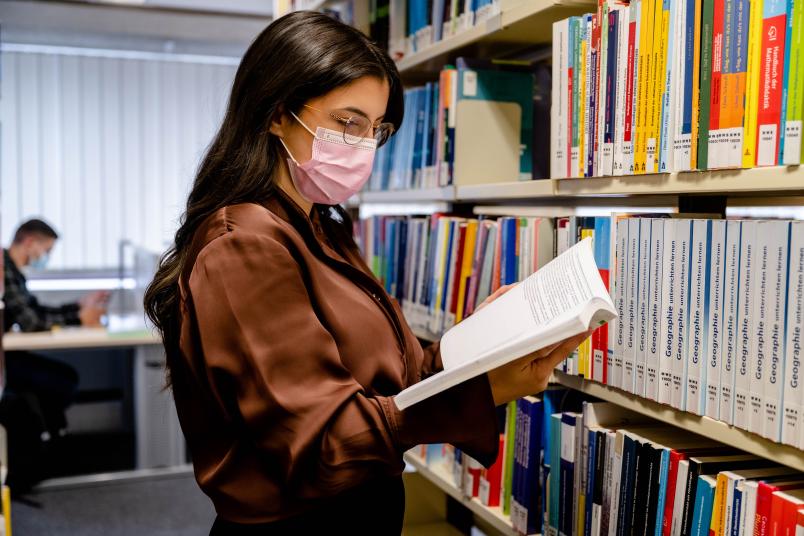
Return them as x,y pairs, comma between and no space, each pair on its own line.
336,171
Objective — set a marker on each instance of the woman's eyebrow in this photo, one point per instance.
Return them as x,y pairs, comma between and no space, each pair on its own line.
358,111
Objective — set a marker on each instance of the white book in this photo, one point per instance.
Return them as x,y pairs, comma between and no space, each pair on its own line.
669,80
699,293
621,295
750,491
619,441
608,483
612,331
632,288
778,234
731,292
678,500
760,341
681,150
605,157
713,318
559,107
563,299
643,291
618,166
667,340
745,325
793,421
684,239
655,276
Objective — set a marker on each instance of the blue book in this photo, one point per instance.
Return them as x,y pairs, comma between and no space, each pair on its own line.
452,229
627,478
704,501
591,459
401,259
519,447
509,242
783,115
736,508
664,469
532,499
425,133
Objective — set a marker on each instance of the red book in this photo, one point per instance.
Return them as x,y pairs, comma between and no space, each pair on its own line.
771,82
672,476
458,264
629,93
784,506
491,479
764,514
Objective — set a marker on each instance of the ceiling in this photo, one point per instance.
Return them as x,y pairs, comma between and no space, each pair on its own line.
250,7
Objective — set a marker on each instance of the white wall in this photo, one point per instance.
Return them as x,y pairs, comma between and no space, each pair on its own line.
103,143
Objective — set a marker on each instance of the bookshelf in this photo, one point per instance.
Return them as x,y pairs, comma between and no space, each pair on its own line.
740,182
704,426
492,516
518,24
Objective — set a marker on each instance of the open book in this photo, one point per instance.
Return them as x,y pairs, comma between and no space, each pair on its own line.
564,298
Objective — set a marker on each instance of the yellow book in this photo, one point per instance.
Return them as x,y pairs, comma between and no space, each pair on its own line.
718,522
659,68
6,498
696,87
644,91
466,266
584,108
752,91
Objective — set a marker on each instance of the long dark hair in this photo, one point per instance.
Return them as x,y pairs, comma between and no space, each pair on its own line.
298,57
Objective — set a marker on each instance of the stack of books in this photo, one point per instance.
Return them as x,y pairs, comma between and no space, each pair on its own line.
655,86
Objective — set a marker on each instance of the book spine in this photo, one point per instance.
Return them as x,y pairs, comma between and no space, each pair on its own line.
760,340
656,87
668,78
616,487
664,486
632,282
558,104
669,333
555,475
621,297
643,88
655,276
602,252
734,86
719,508
713,315
776,296
752,91
789,5
608,485
643,306
706,69
793,401
688,62
794,80
631,88
748,512
718,48
510,450
585,78
677,523
745,323
684,239
699,291
672,486
731,299
573,79
763,516
611,82
771,81
696,87
567,475
619,106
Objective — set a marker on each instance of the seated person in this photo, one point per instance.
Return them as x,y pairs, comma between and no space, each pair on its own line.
31,247
49,384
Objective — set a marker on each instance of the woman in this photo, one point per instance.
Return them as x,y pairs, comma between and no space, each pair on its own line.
284,352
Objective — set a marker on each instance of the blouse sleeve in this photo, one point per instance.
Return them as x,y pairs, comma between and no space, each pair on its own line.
319,430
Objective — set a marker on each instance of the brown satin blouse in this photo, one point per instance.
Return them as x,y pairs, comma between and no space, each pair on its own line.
290,354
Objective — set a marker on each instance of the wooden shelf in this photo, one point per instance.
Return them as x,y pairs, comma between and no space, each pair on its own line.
786,181
492,516
423,195
519,23
705,426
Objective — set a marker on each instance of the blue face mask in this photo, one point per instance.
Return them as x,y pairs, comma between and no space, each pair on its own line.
40,263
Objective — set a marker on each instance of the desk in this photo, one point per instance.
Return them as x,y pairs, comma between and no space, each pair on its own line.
160,442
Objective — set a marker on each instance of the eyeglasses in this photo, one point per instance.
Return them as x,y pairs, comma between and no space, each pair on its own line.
356,127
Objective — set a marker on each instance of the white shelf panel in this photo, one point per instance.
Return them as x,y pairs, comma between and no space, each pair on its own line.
705,426
542,188
491,515
446,193
727,181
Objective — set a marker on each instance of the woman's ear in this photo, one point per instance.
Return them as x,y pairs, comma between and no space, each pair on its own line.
279,123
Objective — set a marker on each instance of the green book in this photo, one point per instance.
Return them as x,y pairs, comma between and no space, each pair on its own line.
707,19
508,467
794,79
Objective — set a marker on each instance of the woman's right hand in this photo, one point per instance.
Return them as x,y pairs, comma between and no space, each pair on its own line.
531,373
